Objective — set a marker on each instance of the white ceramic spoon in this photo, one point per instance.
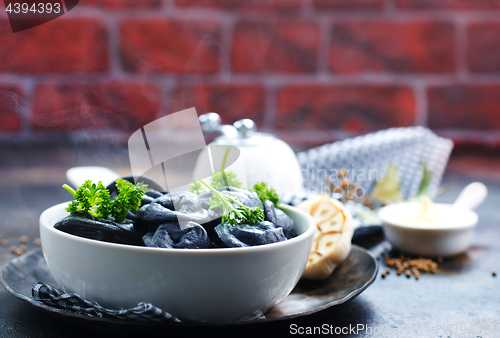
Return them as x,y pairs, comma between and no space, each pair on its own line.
78,175
471,196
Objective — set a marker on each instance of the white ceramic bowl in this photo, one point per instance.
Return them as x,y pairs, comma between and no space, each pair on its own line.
428,240
215,285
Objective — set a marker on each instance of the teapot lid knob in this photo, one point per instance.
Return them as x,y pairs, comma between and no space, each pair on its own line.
245,128
210,121
241,133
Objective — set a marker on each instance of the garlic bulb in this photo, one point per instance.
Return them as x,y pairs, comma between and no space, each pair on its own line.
332,239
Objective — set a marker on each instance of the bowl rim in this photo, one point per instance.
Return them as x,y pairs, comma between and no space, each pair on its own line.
387,221
210,251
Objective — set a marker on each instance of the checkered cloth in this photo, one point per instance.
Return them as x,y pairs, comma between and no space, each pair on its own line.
143,312
372,153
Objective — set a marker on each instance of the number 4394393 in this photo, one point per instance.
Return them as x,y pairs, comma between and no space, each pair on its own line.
36,8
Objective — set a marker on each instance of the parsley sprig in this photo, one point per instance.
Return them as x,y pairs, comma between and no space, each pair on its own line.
219,179
266,193
231,214
95,200
225,179
196,188
129,198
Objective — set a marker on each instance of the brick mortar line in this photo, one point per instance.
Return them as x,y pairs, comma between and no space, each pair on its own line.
323,48
168,87
314,79
270,107
463,133
488,137
313,132
264,78
82,136
307,7
421,104
276,75
469,132
390,7
199,13
327,136
322,137
227,33
173,11
113,27
461,49
475,11
168,4
466,133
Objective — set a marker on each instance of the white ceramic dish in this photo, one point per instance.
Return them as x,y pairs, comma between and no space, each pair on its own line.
214,285
449,238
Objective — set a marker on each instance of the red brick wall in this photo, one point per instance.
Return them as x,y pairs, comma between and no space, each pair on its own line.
312,71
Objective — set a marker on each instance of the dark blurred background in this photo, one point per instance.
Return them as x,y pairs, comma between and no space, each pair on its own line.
312,71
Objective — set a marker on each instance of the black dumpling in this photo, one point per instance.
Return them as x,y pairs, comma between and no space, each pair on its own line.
243,235
154,214
187,208
176,200
146,199
103,229
170,235
158,239
153,193
165,201
279,219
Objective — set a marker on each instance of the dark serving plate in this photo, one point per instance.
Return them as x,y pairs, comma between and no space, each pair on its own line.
350,278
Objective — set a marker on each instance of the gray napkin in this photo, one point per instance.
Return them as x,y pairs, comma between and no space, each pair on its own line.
368,157
143,312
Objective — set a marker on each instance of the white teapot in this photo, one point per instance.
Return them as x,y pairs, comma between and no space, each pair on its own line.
265,158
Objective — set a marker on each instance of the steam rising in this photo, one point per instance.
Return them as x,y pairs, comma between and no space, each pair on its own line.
11,102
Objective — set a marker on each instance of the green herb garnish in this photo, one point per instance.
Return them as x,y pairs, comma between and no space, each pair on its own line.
196,188
219,179
231,214
95,200
129,198
90,198
265,193
225,179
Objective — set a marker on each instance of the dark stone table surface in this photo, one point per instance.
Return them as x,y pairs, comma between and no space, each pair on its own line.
462,301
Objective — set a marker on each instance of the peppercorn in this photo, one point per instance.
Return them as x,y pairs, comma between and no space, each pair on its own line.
411,265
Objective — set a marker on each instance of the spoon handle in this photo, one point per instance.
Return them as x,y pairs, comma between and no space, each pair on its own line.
472,196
